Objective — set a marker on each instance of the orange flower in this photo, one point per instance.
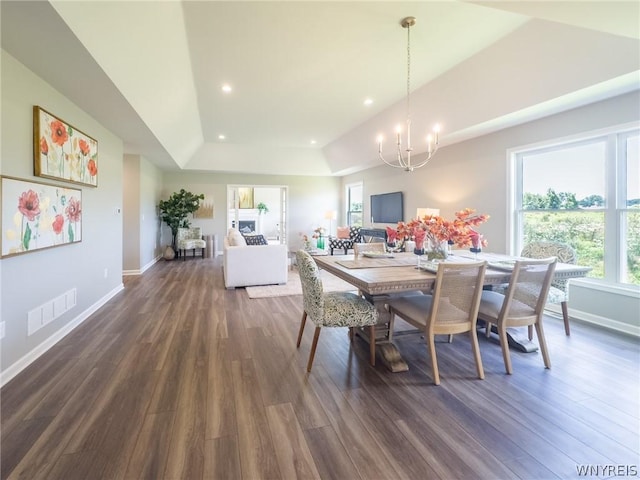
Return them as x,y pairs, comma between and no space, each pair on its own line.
44,146
58,133
84,147
437,230
93,169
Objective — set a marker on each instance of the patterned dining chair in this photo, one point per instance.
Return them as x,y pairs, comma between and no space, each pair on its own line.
345,243
334,309
450,309
522,304
559,291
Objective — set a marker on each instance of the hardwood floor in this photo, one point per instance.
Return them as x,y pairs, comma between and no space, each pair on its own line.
178,378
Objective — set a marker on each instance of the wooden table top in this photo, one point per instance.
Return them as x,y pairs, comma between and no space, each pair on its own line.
380,276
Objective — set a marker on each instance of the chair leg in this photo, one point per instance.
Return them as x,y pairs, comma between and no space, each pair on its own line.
565,317
304,320
184,255
372,345
543,344
352,334
312,354
530,332
434,361
488,329
504,345
476,353
331,248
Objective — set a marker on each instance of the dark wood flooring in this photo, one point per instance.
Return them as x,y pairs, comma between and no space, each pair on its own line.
178,378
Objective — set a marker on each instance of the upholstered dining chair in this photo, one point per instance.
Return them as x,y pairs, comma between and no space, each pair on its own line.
190,239
521,305
559,291
334,309
452,308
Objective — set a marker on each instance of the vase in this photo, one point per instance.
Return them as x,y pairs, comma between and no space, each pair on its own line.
169,253
419,252
320,243
437,251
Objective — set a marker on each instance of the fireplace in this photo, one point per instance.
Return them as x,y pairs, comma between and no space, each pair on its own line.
245,226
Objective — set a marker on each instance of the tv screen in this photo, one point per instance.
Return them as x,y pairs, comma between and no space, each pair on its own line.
386,208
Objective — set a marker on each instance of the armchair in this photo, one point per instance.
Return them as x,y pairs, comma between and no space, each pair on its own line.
190,239
345,243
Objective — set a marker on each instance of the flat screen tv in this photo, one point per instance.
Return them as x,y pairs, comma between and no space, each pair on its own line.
387,208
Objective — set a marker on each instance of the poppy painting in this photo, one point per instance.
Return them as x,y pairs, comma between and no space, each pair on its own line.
37,215
63,152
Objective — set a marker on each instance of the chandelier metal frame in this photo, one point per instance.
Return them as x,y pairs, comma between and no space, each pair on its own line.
404,161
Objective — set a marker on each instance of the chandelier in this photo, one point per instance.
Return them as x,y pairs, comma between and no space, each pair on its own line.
403,160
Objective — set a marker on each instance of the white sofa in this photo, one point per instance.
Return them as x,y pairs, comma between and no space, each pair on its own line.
246,265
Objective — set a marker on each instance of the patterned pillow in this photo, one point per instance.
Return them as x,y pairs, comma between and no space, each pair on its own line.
255,240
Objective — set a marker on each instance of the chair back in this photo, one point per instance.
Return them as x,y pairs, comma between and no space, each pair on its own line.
191,233
354,234
527,292
456,296
544,249
359,248
312,291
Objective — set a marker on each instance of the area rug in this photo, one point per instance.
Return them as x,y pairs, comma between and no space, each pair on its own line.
330,283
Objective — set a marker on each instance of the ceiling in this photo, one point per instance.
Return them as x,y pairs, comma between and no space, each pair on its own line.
152,72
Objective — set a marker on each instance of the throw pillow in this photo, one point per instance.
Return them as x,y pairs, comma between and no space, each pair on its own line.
236,239
342,233
255,240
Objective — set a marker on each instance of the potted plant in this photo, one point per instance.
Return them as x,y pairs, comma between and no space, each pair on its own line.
262,208
175,210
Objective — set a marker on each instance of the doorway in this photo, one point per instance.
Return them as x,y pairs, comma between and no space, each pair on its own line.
258,210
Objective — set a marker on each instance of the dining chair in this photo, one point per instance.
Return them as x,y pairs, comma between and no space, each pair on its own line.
451,308
522,304
333,309
373,247
558,291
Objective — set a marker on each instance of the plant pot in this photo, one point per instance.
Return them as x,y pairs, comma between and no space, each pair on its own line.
169,253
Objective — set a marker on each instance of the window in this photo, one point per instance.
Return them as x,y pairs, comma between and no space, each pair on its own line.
354,204
584,192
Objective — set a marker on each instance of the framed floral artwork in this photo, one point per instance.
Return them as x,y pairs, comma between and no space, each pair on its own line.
37,215
61,151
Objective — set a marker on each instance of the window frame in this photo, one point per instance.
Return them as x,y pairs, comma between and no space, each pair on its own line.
348,211
615,193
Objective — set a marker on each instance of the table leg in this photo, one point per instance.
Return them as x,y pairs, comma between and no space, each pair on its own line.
389,353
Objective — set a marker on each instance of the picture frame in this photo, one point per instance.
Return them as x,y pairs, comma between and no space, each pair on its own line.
37,216
205,211
245,197
61,151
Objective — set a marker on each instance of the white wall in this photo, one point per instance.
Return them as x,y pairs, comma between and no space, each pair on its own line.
309,199
29,280
141,234
474,174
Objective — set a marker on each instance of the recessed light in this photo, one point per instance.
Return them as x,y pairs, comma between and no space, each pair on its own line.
226,88
368,101
313,142
221,137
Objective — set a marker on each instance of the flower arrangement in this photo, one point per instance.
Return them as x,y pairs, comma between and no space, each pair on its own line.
437,231
318,232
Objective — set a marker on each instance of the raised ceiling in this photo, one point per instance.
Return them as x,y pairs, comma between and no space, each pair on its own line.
152,72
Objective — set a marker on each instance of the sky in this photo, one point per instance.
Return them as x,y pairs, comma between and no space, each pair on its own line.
579,169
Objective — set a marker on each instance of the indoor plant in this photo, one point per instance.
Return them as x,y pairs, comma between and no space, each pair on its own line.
262,208
175,210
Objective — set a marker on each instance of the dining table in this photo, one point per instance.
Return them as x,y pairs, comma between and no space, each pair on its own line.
380,276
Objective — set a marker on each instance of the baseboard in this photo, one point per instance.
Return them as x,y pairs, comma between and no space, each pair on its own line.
13,370
143,269
604,322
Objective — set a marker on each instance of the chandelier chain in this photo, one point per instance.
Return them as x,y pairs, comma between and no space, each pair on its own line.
408,72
